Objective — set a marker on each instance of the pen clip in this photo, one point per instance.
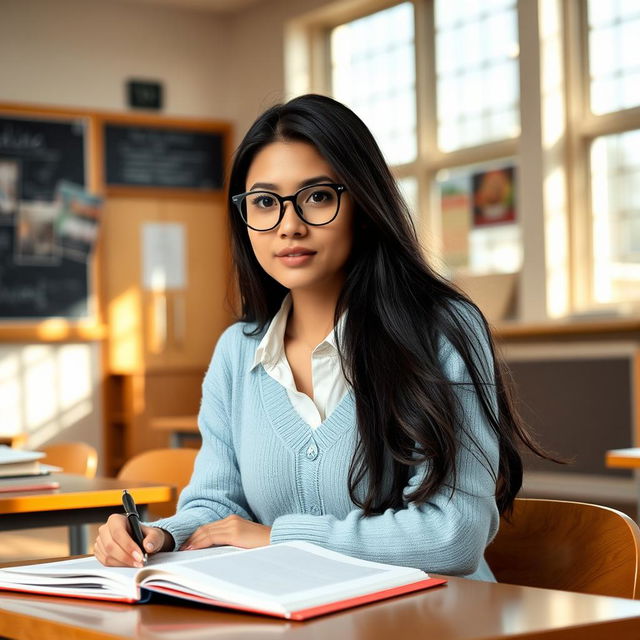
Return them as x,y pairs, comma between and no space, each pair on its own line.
129,505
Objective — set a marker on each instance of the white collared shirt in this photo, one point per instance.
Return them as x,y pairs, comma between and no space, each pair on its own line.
328,381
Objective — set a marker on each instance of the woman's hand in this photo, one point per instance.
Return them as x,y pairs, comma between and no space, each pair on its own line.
232,530
114,546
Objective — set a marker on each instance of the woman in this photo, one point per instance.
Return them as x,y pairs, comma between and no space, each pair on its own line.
358,403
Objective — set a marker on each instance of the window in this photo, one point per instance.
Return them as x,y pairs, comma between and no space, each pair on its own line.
613,76
615,179
462,105
614,54
477,72
373,72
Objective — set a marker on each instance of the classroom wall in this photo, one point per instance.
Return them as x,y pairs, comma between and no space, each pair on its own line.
80,52
257,51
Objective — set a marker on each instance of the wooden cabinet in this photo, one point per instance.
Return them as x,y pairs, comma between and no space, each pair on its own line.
159,342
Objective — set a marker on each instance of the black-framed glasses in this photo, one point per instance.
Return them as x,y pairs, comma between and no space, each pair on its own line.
316,205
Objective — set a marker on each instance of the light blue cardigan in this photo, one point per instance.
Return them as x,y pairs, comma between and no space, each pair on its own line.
261,461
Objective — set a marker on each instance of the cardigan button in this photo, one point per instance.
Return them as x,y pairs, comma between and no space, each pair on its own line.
312,452
315,509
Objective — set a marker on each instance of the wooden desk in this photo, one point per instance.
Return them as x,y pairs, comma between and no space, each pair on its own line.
623,458
77,502
461,610
180,428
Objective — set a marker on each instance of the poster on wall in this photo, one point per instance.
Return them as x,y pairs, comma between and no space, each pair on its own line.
35,239
456,224
493,197
76,222
164,256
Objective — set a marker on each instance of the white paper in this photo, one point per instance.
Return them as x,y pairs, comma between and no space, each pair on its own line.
163,256
15,456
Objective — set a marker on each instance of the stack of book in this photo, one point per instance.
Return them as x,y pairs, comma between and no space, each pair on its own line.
17,465
16,462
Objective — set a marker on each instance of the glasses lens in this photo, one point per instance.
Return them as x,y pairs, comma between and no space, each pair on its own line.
261,210
318,204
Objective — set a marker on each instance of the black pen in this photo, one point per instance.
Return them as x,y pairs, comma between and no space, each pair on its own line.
134,520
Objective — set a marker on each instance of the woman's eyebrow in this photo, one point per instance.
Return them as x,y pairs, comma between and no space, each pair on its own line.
274,187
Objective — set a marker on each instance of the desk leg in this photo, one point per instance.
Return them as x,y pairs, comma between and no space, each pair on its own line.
78,538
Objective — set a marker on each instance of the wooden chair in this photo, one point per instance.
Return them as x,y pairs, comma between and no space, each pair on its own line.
15,441
73,457
571,546
170,466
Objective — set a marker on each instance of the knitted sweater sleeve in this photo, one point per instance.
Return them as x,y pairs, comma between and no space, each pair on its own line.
215,490
449,533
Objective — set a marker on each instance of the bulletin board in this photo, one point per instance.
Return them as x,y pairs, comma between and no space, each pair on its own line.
59,166
39,278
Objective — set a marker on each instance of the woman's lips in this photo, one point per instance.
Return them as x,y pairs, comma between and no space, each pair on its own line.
296,259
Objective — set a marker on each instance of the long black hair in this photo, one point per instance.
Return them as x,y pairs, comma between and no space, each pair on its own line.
398,309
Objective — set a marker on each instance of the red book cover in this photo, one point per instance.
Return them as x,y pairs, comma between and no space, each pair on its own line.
312,612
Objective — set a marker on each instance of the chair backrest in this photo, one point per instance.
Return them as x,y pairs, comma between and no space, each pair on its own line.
73,457
572,546
169,466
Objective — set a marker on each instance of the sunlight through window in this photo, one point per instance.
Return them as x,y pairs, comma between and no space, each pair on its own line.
614,54
373,72
477,53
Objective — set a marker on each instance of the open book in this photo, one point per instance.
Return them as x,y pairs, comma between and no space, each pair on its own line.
293,580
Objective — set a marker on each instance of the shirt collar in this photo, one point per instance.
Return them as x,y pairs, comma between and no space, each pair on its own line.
271,347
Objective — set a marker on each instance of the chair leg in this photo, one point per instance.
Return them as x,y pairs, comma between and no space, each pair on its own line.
78,539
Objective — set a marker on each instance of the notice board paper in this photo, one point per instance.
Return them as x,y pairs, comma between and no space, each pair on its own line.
163,256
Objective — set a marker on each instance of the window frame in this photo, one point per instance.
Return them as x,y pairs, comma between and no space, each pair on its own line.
584,127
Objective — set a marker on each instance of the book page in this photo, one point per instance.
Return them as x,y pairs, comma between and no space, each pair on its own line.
279,576
87,576
280,569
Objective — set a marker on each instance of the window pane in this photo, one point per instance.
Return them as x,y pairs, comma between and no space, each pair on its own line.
615,196
614,54
409,189
373,72
480,229
477,72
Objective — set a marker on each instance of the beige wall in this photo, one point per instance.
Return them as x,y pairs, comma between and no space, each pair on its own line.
80,52
257,77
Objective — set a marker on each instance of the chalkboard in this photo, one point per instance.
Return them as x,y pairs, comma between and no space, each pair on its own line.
164,158
41,291
48,151
36,279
